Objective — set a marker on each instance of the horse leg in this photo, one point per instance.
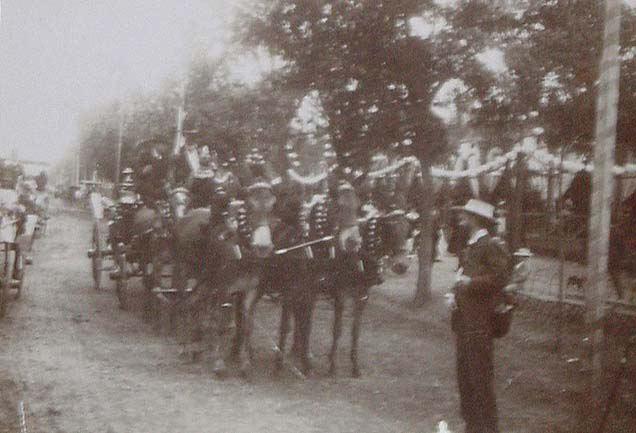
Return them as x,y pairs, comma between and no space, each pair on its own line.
251,299
304,317
359,303
239,322
337,330
285,316
297,337
224,311
178,282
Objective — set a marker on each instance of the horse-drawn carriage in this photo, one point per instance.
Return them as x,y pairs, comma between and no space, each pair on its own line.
123,231
231,232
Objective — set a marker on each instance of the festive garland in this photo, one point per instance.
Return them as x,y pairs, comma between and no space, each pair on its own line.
550,160
541,156
496,165
306,180
390,169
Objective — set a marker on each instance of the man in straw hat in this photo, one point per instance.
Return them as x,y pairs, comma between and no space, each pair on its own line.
480,279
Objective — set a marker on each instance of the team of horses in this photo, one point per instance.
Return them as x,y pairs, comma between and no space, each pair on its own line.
244,232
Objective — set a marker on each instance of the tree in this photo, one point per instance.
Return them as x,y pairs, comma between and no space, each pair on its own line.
552,50
376,80
233,117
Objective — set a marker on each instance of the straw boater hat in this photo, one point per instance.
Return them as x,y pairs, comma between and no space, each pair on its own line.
479,208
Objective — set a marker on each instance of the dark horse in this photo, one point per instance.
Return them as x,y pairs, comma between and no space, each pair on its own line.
347,266
222,248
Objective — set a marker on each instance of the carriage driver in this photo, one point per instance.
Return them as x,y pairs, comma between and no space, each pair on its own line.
151,171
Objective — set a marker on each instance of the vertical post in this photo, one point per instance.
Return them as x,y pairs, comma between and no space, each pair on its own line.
549,208
425,250
178,138
120,137
517,203
181,114
77,165
561,241
602,179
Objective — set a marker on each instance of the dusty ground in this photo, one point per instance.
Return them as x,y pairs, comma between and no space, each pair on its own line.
80,364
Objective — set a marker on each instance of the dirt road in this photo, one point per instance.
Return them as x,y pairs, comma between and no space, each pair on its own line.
80,364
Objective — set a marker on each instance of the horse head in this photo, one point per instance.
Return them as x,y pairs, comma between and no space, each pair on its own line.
394,231
260,201
348,204
179,199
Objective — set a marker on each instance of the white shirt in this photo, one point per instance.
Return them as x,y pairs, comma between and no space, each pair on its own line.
477,235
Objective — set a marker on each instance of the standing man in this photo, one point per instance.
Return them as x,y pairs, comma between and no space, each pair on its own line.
480,281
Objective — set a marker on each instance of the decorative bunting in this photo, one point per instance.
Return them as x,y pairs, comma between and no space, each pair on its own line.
306,180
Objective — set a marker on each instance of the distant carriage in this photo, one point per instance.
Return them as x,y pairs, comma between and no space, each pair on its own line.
134,216
12,226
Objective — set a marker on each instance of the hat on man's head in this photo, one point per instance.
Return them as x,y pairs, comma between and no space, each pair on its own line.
479,208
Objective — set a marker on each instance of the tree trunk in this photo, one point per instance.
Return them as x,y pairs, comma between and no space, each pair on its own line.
425,251
516,233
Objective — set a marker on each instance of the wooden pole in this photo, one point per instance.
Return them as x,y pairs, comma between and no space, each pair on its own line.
77,165
517,229
181,115
120,137
602,180
425,251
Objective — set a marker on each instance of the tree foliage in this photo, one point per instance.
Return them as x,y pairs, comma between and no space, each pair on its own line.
376,81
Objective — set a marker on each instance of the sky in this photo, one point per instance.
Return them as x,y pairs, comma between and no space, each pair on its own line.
61,57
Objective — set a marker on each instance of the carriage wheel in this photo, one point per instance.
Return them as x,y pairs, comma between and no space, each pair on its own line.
96,247
20,277
122,279
5,283
40,229
4,290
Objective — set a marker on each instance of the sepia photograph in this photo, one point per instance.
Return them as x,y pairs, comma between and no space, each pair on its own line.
318,216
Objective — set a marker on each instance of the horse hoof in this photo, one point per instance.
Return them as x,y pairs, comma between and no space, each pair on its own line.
220,370
245,369
235,354
190,356
307,368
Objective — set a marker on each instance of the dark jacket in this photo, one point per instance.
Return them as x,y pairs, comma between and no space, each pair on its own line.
486,263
